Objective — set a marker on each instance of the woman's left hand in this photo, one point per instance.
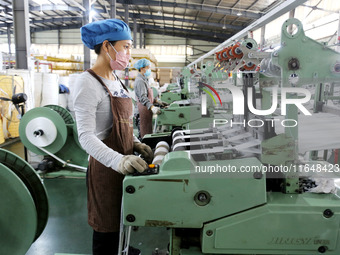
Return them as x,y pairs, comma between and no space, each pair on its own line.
144,150
161,103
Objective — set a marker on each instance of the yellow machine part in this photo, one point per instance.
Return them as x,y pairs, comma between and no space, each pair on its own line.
9,115
2,138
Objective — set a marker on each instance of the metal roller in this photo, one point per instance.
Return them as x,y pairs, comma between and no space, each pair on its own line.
163,144
23,202
158,160
161,151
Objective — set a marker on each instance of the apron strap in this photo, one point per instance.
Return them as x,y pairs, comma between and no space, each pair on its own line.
101,81
121,83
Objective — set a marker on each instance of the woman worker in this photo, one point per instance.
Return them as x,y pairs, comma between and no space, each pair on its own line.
145,99
103,110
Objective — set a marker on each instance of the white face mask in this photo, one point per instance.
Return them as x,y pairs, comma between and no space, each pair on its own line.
122,60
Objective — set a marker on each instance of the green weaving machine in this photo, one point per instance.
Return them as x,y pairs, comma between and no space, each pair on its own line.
244,190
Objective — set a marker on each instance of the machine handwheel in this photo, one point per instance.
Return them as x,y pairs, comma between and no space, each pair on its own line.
23,203
26,173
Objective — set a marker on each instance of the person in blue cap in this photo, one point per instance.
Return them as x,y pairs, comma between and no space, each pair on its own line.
145,99
104,116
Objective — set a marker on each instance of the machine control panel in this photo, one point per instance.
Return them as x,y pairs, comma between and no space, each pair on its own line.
153,169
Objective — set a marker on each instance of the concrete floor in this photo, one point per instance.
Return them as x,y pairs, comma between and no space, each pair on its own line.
67,231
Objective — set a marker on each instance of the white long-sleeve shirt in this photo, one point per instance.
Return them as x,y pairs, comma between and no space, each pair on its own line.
94,117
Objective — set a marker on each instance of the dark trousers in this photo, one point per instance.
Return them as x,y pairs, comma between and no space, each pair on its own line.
105,243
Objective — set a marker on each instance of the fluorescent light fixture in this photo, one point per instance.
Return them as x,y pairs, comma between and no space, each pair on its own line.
93,13
58,2
42,2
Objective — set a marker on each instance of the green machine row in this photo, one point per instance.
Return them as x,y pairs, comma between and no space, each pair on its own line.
235,211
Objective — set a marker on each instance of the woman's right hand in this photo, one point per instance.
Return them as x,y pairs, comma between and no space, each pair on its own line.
155,109
129,163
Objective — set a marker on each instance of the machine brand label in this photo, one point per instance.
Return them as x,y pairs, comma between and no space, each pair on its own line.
298,241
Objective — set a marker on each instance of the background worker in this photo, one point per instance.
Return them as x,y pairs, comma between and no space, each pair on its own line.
145,98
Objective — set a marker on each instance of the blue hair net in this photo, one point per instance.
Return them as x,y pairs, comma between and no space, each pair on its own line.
110,29
142,63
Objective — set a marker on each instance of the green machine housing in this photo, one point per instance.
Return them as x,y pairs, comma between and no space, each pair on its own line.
235,211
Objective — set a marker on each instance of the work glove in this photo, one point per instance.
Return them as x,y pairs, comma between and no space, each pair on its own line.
162,103
155,109
129,163
144,150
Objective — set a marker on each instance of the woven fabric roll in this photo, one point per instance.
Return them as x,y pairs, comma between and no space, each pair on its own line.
50,89
71,82
28,87
63,97
38,88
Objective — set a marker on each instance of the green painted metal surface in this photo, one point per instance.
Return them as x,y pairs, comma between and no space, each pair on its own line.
210,74
280,151
204,122
313,62
18,215
177,116
178,185
170,97
66,145
65,114
287,224
72,152
33,183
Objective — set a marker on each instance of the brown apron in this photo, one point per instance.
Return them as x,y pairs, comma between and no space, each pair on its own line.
145,115
104,191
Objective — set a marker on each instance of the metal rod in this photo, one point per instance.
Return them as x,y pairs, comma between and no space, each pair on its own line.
270,16
81,168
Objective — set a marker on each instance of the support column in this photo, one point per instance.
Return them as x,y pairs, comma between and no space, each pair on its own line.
134,33
186,51
338,37
141,38
126,17
86,18
113,9
9,40
21,33
59,41
263,32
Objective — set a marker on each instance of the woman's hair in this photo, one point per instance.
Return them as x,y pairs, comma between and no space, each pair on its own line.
98,47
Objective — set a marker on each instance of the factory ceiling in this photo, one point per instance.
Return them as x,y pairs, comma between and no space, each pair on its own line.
208,20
